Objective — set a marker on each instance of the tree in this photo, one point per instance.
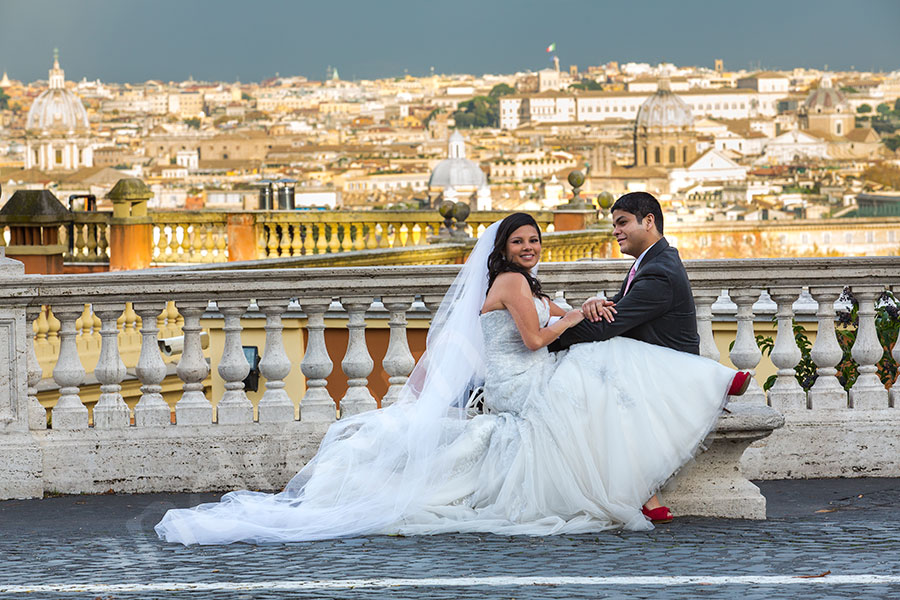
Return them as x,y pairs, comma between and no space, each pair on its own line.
193,123
897,106
883,109
480,111
4,100
501,89
586,84
892,142
863,109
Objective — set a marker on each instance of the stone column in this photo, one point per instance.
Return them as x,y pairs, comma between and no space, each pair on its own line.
193,408
111,412
745,354
398,361
317,403
275,406
826,392
357,363
151,409
703,301
867,392
69,412
786,395
234,407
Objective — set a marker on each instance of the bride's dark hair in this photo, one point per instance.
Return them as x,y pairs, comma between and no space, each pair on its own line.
497,262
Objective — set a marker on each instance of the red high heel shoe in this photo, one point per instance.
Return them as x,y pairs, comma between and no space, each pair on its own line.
660,514
740,383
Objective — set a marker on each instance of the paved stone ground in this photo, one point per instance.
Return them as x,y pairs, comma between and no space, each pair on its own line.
847,527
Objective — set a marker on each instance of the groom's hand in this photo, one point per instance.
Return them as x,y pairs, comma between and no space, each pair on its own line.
596,309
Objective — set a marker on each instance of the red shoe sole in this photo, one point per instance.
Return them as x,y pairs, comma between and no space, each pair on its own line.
739,384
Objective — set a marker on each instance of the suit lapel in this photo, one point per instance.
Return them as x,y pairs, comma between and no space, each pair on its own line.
655,251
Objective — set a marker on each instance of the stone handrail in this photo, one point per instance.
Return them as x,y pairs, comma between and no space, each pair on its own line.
826,410
189,237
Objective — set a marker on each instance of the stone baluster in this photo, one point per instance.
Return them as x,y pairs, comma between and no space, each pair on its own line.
296,240
193,408
151,409
371,237
111,412
745,354
347,242
357,363
209,244
317,403
275,406
102,242
37,415
334,244
221,243
271,240
78,247
786,394
867,392
398,360
195,250
309,240
359,242
703,300
321,242
69,412
234,407
284,244
826,392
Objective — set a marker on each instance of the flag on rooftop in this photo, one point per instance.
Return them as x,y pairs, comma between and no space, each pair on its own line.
551,47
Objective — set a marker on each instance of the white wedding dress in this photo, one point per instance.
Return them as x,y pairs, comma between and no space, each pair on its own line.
569,442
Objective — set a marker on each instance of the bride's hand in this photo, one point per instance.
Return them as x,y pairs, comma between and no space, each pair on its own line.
573,317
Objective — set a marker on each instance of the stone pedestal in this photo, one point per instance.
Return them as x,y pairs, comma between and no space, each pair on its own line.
241,232
573,219
713,485
130,229
34,218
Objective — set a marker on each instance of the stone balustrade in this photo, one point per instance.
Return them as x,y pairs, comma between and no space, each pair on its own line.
223,443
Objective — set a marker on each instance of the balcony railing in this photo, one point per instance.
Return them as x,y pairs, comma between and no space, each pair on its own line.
850,433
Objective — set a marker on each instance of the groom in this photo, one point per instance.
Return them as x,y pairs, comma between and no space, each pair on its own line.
655,303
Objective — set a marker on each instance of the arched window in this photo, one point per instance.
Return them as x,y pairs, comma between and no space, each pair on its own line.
672,154
684,154
645,156
656,158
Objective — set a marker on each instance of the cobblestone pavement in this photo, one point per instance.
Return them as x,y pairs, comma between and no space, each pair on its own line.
104,547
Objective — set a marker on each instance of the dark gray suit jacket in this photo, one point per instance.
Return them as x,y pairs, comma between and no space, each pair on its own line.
658,308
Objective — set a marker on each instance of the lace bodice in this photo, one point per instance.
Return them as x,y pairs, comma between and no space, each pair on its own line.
511,367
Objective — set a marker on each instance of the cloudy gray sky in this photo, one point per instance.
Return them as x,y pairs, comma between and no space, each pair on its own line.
250,40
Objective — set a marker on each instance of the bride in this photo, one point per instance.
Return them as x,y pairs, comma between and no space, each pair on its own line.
570,442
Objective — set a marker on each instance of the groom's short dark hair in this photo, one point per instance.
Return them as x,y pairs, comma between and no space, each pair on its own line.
641,204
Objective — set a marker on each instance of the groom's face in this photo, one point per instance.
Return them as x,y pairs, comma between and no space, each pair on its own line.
634,235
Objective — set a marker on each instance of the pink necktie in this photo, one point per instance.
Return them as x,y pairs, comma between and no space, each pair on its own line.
630,279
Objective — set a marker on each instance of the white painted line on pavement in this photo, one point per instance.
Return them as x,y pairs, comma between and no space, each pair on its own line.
451,582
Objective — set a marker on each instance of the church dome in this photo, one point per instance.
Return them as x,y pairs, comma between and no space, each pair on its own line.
664,110
57,109
457,171
826,99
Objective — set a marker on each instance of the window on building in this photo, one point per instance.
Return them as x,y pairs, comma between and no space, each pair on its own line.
892,236
58,157
826,237
672,154
684,154
837,128
645,156
848,238
656,157
870,237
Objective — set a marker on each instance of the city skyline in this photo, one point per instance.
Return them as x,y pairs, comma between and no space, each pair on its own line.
99,39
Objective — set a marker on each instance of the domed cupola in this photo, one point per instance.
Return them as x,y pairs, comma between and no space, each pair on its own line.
57,131
664,109
663,130
826,110
456,171
57,109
